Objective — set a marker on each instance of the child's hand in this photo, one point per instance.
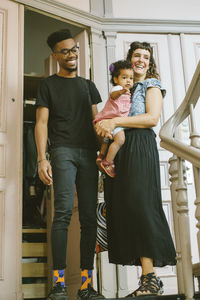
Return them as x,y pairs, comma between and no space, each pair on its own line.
116,94
125,92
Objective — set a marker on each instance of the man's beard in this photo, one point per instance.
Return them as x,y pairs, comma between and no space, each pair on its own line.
71,69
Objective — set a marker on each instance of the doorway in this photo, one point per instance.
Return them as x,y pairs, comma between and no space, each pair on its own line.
37,198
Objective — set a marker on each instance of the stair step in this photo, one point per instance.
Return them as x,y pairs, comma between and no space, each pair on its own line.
163,297
34,270
34,249
34,290
34,230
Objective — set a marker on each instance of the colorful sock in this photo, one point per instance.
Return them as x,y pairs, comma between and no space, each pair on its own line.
86,277
58,277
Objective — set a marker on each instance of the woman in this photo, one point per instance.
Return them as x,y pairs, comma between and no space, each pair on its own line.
138,232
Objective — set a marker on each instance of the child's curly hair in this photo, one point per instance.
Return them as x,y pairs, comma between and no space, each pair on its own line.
152,71
117,66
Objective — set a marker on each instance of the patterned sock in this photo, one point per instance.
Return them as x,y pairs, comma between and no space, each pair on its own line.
58,277
86,277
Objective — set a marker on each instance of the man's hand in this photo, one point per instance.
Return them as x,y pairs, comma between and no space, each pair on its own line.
44,171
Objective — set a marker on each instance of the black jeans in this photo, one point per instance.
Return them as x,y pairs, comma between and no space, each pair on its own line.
70,167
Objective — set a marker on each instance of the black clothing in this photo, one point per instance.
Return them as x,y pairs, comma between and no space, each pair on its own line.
70,116
73,158
30,152
137,226
58,292
70,166
33,188
89,294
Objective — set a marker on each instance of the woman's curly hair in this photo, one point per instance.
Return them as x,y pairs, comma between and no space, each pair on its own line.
152,71
117,66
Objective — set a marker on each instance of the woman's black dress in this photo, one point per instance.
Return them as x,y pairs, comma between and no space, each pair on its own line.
136,223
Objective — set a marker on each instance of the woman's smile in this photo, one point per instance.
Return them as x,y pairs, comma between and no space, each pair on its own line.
140,60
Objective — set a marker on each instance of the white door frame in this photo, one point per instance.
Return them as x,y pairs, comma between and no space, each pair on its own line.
11,60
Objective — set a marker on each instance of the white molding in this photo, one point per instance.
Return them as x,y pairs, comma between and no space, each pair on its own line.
2,234
113,24
19,152
108,8
3,104
97,33
150,25
97,7
2,160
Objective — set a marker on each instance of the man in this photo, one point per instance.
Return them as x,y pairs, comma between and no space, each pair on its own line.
66,106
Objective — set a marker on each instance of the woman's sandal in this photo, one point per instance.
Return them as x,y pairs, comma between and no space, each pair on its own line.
149,285
108,167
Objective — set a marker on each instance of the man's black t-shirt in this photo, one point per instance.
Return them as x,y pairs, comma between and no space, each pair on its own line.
70,114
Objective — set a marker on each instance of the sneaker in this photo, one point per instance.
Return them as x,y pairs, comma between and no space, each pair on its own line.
58,292
89,293
108,167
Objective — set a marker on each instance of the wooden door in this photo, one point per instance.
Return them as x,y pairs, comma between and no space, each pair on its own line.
84,54
11,103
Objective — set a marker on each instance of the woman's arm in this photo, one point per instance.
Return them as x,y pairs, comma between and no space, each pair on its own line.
147,120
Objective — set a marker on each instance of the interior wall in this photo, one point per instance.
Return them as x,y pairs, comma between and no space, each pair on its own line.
157,9
37,27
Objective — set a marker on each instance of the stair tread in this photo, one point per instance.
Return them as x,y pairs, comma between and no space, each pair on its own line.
164,297
34,230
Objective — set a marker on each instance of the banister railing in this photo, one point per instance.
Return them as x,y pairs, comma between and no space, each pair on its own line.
167,132
182,151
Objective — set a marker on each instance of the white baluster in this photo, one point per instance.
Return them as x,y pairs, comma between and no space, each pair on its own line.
173,171
195,142
197,201
184,230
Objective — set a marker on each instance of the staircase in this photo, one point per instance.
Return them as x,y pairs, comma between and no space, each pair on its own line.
34,263
167,297
172,140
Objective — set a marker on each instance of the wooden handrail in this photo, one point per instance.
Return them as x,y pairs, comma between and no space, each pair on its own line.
167,132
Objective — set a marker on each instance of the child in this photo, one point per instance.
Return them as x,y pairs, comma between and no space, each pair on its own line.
122,80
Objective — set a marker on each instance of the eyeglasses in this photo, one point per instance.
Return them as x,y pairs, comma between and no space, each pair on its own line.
66,51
